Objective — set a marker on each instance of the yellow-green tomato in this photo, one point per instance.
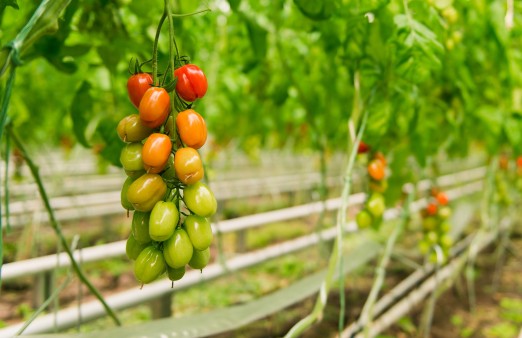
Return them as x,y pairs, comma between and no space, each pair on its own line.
130,159
200,259
175,273
200,200
199,231
130,129
145,191
163,220
124,200
429,223
364,219
376,205
149,265
140,226
178,249
133,248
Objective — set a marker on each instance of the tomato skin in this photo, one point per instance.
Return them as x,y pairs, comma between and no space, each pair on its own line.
429,223
149,265
442,198
200,200
431,209
175,274
192,128
200,259
364,219
188,165
145,191
140,227
156,152
133,248
163,220
379,156
137,85
178,249
519,162
199,231
379,186
376,170
154,107
363,148
130,129
131,159
192,82
376,205
124,200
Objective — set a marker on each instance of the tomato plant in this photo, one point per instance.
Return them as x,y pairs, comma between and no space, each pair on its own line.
191,83
137,85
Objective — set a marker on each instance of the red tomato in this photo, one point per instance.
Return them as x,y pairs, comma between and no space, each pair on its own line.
431,209
156,152
442,198
192,82
154,107
363,148
376,170
519,161
137,85
192,128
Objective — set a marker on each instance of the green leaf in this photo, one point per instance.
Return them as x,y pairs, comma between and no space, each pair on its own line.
258,37
10,3
113,145
81,112
234,4
513,130
316,10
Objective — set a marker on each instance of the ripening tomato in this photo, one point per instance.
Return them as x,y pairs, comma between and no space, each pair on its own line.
188,165
137,85
363,148
200,200
378,186
130,129
200,259
131,159
175,273
429,223
145,191
431,209
149,265
178,249
376,170
133,248
199,231
442,198
192,128
503,162
379,156
154,107
364,219
376,205
163,220
156,152
519,161
124,200
140,227
192,82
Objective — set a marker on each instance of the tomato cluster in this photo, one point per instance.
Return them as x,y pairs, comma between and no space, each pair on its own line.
375,205
436,226
170,225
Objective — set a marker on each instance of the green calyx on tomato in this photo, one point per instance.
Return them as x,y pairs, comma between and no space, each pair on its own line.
149,265
199,231
163,220
145,191
200,200
178,249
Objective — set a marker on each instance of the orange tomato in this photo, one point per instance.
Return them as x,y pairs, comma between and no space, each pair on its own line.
379,156
188,165
442,198
154,107
519,161
376,169
431,209
192,128
155,152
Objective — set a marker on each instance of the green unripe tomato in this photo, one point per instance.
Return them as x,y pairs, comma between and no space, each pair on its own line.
444,227
376,205
178,249
446,241
130,129
145,191
444,213
163,220
140,227
432,237
200,200
170,172
424,247
149,265
124,200
175,274
429,223
378,186
133,248
130,159
199,231
364,219
200,259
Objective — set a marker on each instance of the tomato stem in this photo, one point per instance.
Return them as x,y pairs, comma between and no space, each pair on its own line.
155,50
